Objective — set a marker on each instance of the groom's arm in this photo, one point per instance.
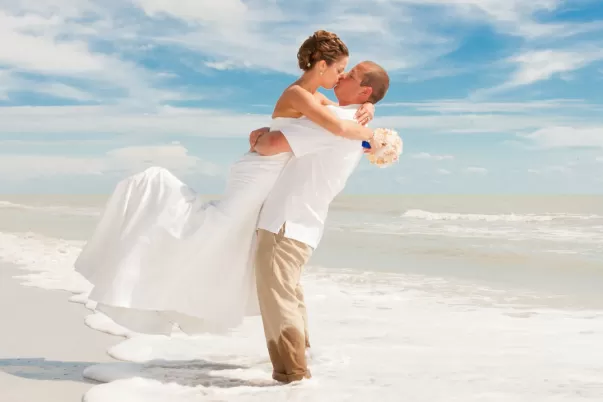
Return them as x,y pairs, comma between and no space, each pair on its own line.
296,140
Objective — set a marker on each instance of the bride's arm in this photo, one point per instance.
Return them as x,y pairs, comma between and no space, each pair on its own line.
305,103
266,142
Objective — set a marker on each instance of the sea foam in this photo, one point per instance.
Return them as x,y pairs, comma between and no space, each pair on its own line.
445,216
386,337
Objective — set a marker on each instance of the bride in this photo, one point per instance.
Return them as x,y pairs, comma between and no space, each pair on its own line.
161,256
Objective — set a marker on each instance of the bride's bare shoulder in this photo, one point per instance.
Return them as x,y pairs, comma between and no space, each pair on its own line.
323,100
295,90
285,105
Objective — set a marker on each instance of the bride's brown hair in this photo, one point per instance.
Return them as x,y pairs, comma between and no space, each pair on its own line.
323,45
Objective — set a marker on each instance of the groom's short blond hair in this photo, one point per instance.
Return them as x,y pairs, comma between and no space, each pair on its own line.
374,76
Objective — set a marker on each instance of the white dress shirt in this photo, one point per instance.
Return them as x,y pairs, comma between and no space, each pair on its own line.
318,171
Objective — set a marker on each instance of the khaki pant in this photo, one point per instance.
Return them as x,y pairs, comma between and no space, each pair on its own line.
279,262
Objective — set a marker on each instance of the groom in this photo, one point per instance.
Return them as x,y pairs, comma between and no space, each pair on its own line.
291,222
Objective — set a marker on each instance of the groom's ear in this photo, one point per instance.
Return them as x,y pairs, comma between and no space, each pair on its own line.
366,92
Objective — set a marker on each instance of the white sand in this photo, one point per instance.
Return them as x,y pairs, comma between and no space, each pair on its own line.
44,344
376,336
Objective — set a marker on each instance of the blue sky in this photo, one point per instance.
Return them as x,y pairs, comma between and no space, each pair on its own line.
489,96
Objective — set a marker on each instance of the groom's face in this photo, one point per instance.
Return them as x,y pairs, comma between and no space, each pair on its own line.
349,89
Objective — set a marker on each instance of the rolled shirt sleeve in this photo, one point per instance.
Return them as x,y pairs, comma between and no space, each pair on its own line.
303,141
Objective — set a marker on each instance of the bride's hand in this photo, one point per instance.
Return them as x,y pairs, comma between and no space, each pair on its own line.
365,113
255,135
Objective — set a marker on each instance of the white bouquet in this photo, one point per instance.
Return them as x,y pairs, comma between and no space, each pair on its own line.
390,152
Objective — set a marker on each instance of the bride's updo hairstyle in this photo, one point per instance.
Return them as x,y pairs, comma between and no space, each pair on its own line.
323,45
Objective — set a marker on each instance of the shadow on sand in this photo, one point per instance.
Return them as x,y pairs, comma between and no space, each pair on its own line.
46,370
187,373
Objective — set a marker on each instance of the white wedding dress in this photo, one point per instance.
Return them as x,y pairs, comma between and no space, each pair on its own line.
160,255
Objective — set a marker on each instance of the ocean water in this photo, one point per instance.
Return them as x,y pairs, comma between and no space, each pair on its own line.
418,298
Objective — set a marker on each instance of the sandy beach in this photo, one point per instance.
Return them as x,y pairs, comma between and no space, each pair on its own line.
44,345
471,301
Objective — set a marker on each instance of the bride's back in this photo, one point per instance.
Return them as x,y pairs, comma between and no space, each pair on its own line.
284,106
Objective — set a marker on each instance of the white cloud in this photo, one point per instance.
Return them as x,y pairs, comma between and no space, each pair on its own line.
223,65
43,41
477,170
95,52
26,51
264,34
215,123
203,11
474,123
119,120
559,169
599,159
425,155
173,156
460,116
10,83
60,90
245,34
229,34
49,142
564,137
515,17
58,8
553,169
455,106
127,160
525,119
539,65
20,167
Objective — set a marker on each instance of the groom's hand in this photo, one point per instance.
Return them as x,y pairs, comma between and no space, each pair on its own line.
255,135
272,143
365,113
